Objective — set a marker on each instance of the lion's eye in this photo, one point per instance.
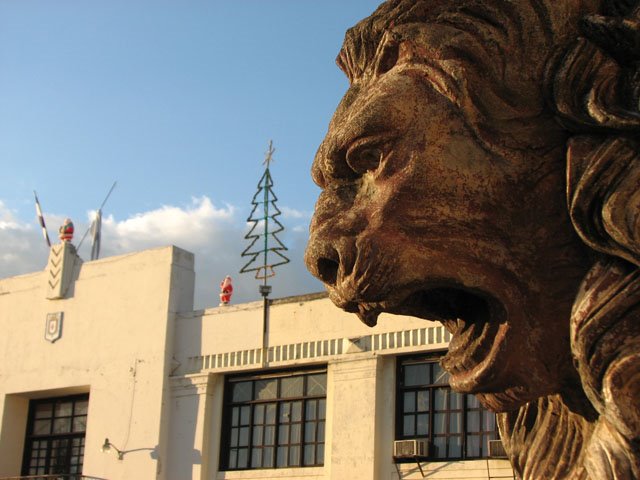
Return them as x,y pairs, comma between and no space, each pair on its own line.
362,160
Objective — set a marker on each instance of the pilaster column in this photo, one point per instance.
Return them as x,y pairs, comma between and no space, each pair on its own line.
189,442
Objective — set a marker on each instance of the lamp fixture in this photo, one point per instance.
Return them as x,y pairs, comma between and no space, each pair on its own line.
107,446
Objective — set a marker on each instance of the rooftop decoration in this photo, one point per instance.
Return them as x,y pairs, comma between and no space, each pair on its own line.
265,250
66,230
226,289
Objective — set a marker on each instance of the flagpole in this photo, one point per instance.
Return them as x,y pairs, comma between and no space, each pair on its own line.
41,220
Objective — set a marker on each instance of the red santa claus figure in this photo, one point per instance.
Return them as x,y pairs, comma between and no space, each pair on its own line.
226,289
66,230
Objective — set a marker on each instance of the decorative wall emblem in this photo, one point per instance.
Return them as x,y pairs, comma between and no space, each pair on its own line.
53,327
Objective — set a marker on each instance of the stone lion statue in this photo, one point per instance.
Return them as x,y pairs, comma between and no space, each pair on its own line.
483,169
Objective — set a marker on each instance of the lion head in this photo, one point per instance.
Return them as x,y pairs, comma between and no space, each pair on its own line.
444,183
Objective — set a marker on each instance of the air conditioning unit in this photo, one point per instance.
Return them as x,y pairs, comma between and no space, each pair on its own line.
410,448
496,449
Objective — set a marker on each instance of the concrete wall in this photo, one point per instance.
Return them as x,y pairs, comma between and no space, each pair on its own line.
116,345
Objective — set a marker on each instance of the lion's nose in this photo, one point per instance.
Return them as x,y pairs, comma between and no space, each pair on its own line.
328,263
327,270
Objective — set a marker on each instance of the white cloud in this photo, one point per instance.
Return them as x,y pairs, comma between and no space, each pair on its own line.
214,234
288,212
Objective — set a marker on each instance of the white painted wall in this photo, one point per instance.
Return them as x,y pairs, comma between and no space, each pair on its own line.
117,332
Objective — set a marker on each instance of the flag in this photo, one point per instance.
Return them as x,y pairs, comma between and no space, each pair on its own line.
41,220
96,228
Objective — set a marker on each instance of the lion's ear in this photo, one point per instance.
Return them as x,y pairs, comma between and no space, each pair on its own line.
603,179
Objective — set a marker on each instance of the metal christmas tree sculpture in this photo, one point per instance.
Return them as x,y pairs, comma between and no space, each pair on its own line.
265,249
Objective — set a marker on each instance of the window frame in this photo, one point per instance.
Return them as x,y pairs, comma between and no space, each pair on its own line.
51,441
253,413
468,407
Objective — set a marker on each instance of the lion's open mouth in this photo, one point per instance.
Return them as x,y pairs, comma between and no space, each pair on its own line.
473,318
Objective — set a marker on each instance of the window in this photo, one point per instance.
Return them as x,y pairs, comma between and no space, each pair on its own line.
274,420
456,425
55,435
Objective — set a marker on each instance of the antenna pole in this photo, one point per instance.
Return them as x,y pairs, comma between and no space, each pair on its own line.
100,209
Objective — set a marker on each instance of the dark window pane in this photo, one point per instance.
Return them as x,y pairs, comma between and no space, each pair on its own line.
309,454
80,424
258,414
408,425
244,415
423,424
441,396
295,433
256,458
63,409
257,436
283,454
322,409
267,457
320,437
283,434
235,416
234,437
455,401
409,402
473,421
473,446
310,413
270,417
296,411
416,375
243,457
455,422
81,407
269,435
291,387
320,455
241,391
440,447
439,375
285,412
243,439
42,427
266,389
455,447
472,402
43,410
440,423
489,421
310,432
294,456
317,385
423,400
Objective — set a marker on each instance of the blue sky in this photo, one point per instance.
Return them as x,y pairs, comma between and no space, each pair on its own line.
176,101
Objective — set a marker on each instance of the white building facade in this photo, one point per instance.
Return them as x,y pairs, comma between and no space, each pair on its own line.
108,373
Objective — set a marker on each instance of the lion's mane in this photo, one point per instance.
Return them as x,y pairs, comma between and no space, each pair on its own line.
481,56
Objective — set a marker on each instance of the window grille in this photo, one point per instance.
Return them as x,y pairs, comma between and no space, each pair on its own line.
456,426
54,442
274,420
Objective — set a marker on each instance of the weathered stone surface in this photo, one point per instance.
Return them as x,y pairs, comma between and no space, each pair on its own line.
483,169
